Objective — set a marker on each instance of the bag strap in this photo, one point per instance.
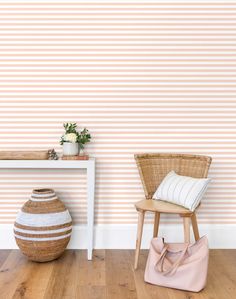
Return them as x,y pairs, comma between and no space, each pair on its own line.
172,269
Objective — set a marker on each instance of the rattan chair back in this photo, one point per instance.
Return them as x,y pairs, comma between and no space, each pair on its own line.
154,167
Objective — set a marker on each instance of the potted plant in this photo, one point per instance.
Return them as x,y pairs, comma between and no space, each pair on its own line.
72,140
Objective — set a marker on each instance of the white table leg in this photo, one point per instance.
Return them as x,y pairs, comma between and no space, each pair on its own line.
90,206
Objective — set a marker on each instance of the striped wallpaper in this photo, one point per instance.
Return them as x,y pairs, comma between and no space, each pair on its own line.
144,77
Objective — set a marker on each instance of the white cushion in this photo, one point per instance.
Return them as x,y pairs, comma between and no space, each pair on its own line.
182,190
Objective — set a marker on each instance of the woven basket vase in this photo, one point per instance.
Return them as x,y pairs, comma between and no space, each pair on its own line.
43,226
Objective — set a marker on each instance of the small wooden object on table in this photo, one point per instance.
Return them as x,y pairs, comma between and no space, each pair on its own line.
24,155
77,157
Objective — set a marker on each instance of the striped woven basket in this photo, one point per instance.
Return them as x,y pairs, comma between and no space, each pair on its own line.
43,226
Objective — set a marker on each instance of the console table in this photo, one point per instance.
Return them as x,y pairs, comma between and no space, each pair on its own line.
89,165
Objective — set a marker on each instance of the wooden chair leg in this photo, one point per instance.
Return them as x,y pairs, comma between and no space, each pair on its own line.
156,225
141,215
186,221
195,227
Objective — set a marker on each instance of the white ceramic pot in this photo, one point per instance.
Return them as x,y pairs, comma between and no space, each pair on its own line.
70,149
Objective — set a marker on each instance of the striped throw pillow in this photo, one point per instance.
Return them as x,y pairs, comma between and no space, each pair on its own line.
182,190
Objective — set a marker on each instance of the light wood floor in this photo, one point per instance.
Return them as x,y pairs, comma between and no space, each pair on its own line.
110,275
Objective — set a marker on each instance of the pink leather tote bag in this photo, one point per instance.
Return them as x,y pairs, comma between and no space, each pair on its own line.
178,265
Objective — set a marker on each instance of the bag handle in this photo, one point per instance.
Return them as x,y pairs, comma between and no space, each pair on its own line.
172,269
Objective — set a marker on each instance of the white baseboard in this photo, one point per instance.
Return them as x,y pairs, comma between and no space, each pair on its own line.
123,236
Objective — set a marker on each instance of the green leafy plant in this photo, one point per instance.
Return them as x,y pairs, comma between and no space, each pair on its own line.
70,128
72,135
83,137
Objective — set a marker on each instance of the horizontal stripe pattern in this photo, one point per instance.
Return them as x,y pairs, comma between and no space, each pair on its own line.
38,229
42,232
46,239
42,199
142,77
44,220
45,235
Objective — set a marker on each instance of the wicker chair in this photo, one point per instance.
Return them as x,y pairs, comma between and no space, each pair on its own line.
152,169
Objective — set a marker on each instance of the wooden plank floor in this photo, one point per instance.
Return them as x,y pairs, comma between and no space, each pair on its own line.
110,275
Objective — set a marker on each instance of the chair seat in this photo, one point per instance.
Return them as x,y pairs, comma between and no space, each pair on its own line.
161,207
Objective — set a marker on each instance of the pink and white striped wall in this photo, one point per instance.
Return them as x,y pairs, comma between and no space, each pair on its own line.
142,77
